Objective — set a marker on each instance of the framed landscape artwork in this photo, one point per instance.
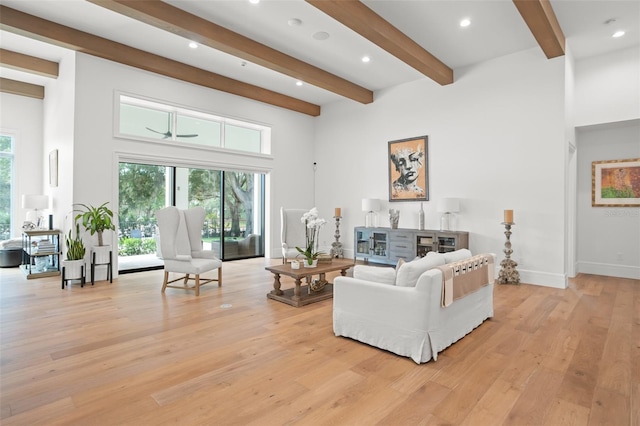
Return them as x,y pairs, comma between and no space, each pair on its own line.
615,183
409,169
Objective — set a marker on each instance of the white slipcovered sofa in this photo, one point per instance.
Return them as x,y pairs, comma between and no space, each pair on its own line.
401,310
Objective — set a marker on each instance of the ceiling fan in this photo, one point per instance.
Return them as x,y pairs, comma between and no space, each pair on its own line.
168,133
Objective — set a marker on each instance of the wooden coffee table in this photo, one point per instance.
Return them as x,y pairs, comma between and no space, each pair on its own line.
300,295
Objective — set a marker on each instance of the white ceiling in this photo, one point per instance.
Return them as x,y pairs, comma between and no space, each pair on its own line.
496,29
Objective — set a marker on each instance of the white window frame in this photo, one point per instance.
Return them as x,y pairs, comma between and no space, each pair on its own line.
174,110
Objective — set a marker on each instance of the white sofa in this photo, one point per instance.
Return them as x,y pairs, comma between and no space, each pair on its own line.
383,308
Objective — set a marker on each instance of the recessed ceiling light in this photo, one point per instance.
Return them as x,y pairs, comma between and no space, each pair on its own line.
193,45
465,22
298,83
254,1
294,22
321,35
618,34
366,59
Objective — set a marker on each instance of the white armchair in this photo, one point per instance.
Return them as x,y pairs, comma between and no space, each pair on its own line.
293,232
181,248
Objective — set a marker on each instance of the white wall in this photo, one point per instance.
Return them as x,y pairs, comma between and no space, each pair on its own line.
97,152
496,141
608,88
21,117
59,125
608,237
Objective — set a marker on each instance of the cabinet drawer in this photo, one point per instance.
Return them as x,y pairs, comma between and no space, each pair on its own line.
401,236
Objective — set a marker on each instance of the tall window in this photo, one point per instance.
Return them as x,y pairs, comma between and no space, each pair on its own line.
6,185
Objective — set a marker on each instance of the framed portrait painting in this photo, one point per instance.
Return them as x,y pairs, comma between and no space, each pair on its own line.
409,169
615,183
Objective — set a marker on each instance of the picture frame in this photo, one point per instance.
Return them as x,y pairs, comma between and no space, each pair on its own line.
409,169
615,183
53,168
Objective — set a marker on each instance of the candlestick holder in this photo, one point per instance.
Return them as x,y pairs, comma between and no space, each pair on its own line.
336,246
508,273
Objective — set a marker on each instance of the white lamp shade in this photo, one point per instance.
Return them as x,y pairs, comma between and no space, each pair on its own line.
449,205
38,202
370,204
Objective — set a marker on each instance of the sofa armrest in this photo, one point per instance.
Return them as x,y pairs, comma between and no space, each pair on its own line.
382,275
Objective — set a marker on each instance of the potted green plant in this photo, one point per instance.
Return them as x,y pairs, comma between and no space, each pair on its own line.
73,265
96,220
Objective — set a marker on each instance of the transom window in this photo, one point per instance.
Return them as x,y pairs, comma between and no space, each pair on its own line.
142,119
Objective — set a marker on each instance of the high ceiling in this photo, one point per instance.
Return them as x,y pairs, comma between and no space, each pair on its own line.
296,28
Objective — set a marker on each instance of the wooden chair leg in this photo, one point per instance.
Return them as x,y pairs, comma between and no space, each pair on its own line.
186,280
220,276
197,284
166,280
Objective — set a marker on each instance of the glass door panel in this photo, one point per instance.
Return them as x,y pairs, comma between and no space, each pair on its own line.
243,215
143,189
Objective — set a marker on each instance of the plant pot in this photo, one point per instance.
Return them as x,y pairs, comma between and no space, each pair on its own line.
101,255
73,269
314,263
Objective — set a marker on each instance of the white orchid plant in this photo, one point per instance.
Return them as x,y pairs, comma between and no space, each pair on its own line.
312,224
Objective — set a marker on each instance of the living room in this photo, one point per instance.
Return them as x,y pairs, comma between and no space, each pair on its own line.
516,132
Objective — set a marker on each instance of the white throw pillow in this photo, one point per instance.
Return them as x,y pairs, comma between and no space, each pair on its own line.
409,272
378,274
456,256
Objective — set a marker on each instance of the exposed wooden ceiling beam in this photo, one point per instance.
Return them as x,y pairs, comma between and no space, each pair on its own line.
26,63
49,32
373,27
170,18
21,88
542,21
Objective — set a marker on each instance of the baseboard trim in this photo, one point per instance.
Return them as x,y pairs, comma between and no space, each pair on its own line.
608,269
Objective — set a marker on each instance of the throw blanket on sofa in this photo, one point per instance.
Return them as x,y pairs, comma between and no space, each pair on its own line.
464,277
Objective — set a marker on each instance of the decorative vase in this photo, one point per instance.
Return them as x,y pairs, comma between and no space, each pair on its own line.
421,218
317,285
313,264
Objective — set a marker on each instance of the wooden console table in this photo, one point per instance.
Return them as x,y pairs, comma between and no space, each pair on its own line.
300,294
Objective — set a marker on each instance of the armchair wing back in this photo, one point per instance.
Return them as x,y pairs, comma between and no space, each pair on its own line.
181,248
194,221
293,232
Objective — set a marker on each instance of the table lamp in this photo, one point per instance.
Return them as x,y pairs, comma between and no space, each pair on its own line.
35,204
371,206
447,206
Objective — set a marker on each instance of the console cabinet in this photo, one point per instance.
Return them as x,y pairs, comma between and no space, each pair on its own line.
387,245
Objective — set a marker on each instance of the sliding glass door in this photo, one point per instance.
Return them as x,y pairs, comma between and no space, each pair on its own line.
233,202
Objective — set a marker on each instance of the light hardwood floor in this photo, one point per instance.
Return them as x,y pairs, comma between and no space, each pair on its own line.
124,354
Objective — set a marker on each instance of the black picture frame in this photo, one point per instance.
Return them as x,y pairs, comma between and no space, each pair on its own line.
409,169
